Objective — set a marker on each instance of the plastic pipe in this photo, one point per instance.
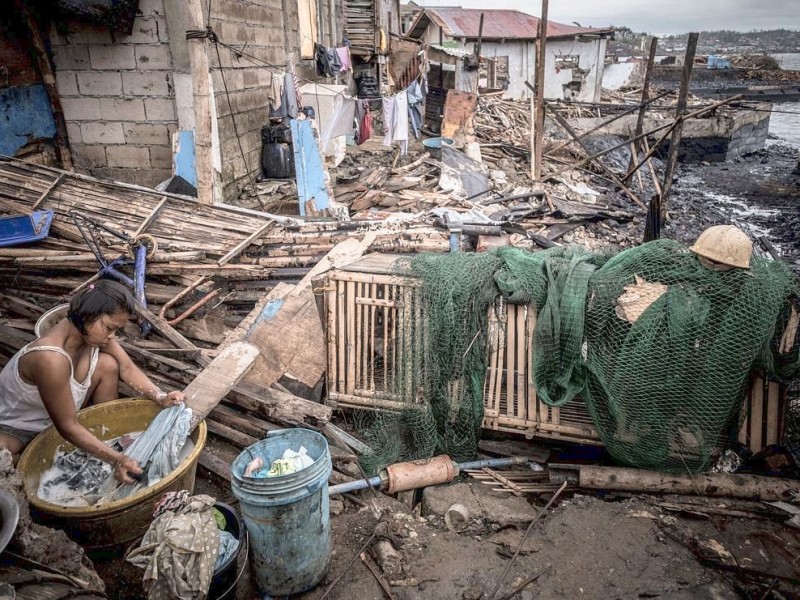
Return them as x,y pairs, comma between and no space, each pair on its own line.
378,481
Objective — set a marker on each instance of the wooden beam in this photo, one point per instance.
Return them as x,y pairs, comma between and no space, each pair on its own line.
574,135
537,102
47,192
218,378
201,90
680,111
648,73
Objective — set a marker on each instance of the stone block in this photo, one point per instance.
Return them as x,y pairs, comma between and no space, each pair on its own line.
102,133
81,109
480,503
156,83
119,109
96,83
114,174
161,157
151,177
160,109
145,31
74,133
146,133
66,83
153,57
71,58
80,32
128,157
88,156
114,57
151,7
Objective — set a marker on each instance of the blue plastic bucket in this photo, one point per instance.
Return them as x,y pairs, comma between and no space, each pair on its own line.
287,517
434,145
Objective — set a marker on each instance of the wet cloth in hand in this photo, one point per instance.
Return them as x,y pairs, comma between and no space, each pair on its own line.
179,552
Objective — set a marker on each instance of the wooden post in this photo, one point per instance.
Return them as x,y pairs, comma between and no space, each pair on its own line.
675,142
648,73
478,55
537,102
49,81
201,89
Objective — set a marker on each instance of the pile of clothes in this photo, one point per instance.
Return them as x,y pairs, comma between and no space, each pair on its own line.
332,61
183,547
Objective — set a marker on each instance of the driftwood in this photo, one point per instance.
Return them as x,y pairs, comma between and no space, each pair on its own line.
746,487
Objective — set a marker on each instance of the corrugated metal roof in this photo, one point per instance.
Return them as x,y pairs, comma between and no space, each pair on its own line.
497,24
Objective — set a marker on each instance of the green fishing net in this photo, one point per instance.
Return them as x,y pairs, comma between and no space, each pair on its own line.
659,347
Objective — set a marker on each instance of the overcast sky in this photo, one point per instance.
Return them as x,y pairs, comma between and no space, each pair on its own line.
656,16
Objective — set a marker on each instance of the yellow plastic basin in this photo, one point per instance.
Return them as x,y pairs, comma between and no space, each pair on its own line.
115,523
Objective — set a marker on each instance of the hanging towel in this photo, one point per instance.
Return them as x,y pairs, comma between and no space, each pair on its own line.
343,121
365,128
276,91
388,120
334,61
401,121
344,58
415,97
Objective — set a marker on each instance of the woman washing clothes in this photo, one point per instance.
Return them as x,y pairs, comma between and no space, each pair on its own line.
75,363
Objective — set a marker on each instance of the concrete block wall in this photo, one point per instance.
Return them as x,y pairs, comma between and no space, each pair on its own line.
264,30
118,96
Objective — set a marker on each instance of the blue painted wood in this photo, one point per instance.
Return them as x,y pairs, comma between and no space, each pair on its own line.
309,169
25,115
24,229
185,162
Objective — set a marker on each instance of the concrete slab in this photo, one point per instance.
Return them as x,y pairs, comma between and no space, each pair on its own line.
480,501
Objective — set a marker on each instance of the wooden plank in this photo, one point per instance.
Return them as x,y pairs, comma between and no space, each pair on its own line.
757,416
521,363
511,363
215,465
218,378
229,434
773,412
242,422
47,192
533,413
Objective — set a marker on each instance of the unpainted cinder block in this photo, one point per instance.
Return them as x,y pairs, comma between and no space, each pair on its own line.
98,83
127,156
113,57
119,109
153,57
156,83
159,109
81,109
102,133
71,58
146,133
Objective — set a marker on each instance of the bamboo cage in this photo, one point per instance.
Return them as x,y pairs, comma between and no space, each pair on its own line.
374,318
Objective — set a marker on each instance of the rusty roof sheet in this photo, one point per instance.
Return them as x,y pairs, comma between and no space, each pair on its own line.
497,24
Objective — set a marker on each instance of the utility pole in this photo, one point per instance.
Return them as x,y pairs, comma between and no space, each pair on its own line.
537,102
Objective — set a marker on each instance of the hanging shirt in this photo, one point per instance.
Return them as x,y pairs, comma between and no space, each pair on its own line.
21,405
395,121
276,91
344,58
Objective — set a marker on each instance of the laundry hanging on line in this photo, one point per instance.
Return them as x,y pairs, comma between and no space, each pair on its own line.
351,117
395,121
332,61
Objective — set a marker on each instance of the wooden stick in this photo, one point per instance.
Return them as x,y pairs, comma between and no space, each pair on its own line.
150,218
613,176
244,244
651,59
680,110
47,192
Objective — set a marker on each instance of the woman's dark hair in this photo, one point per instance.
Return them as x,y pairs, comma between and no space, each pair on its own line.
104,297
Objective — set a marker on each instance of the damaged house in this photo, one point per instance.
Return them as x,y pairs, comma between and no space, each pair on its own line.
575,55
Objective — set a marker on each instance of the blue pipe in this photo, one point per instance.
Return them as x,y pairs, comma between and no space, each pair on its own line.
138,282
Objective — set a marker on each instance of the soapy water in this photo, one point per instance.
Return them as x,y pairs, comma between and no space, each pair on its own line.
75,477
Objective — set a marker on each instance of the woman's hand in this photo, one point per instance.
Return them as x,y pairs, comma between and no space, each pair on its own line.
124,468
165,400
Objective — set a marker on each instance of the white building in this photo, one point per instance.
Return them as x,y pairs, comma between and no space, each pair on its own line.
575,55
